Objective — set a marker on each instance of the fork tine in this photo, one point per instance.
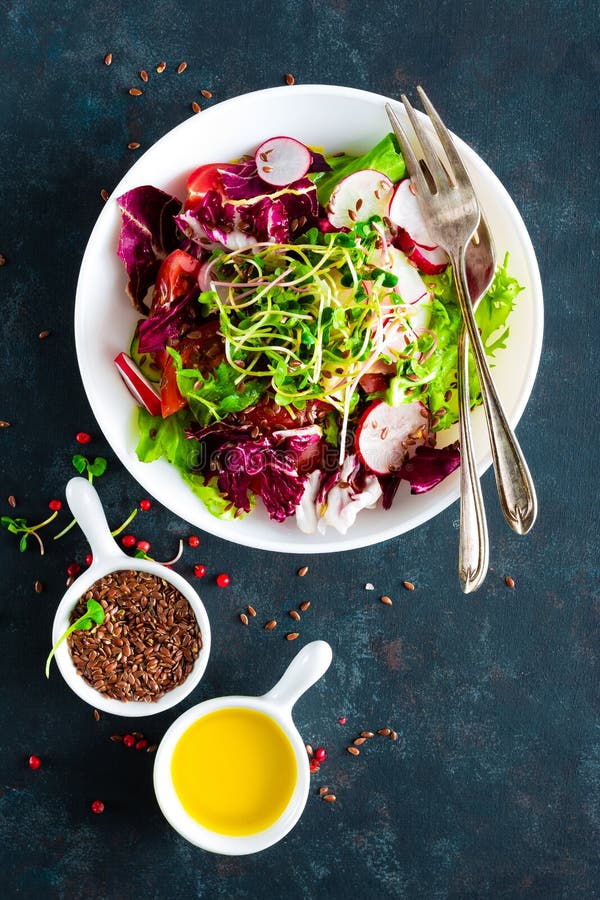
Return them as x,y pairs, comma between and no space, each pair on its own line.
459,173
412,163
430,154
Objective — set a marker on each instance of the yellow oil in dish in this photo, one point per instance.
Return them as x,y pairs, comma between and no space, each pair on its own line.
234,771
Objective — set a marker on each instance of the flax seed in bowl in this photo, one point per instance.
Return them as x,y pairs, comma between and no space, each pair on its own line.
151,649
148,642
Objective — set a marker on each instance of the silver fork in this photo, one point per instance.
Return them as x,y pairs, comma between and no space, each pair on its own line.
451,212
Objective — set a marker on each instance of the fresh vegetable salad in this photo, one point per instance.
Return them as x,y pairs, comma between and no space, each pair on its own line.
298,335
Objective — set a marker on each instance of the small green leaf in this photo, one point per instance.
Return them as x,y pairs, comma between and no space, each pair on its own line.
80,463
98,467
23,543
94,614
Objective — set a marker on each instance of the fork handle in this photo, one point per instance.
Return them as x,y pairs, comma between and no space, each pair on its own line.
517,495
474,548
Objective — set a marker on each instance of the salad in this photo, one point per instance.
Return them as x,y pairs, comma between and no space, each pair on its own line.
297,341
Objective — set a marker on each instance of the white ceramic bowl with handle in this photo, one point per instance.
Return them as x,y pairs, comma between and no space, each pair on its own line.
305,669
335,118
86,507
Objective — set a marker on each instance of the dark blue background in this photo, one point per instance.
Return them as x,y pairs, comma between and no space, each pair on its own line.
493,787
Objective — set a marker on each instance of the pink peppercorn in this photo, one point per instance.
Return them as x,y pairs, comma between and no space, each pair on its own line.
223,580
199,570
145,505
55,505
144,546
194,540
128,740
128,540
82,437
320,754
34,762
97,806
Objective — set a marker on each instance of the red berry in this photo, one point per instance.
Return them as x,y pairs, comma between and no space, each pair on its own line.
73,569
128,740
145,505
141,744
82,437
194,540
34,762
55,505
89,559
144,546
223,580
199,570
97,806
313,765
128,540
320,754
167,566
342,720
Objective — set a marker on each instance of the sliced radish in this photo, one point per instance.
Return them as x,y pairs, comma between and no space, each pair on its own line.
386,435
405,212
430,260
139,386
359,196
282,160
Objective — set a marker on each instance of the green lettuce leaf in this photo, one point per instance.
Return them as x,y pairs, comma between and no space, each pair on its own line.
166,438
384,156
439,371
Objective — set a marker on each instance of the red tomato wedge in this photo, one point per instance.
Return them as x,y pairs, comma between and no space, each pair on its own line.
177,275
201,349
201,181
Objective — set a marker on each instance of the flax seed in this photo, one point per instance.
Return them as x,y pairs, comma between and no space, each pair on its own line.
144,76
329,798
386,600
358,742
509,582
135,92
393,736
38,587
243,618
196,107
304,605
309,749
181,68
367,734
270,625
292,636
161,67
251,611
294,615
133,145
108,59
116,738
384,731
408,585
323,790
11,501
354,751
206,94
43,335
302,571
96,715
289,79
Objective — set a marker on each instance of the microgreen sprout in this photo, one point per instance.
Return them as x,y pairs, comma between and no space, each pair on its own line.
94,615
93,470
20,526
141,554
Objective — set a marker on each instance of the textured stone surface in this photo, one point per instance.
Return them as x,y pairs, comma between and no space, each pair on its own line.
493,787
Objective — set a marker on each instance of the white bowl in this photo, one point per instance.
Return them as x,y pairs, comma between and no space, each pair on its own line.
304,670
336,118
87,509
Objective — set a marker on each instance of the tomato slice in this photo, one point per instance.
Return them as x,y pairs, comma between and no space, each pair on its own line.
177,275
373,382
201,181
269,417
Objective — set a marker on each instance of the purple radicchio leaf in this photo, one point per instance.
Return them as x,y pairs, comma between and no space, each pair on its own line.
319,163
429,466
148,234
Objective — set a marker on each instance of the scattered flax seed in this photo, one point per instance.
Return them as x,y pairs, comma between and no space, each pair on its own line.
270,625
196,107
2,260
11,501
144,76
133,145
104,194
38,587
206,94
96,715
510,582
369,586
358,742
367,734
116,738
294,615
386,600
393,736
304,605
151,748
329,798
135,92
43,335
4,423
309,749
181,68
384,731
292,636
161,67
408,585
70,580
353,750
108,59
243,618
323,790
251,611
289,78
302,571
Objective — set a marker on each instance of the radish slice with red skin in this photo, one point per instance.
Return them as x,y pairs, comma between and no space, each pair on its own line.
139,386
282,160
405,212
430,260
386,435
359,196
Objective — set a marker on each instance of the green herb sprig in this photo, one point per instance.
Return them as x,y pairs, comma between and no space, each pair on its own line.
20,526
94,615
93,470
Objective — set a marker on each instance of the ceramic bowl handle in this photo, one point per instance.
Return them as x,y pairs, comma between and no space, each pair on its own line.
86,507
304,670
